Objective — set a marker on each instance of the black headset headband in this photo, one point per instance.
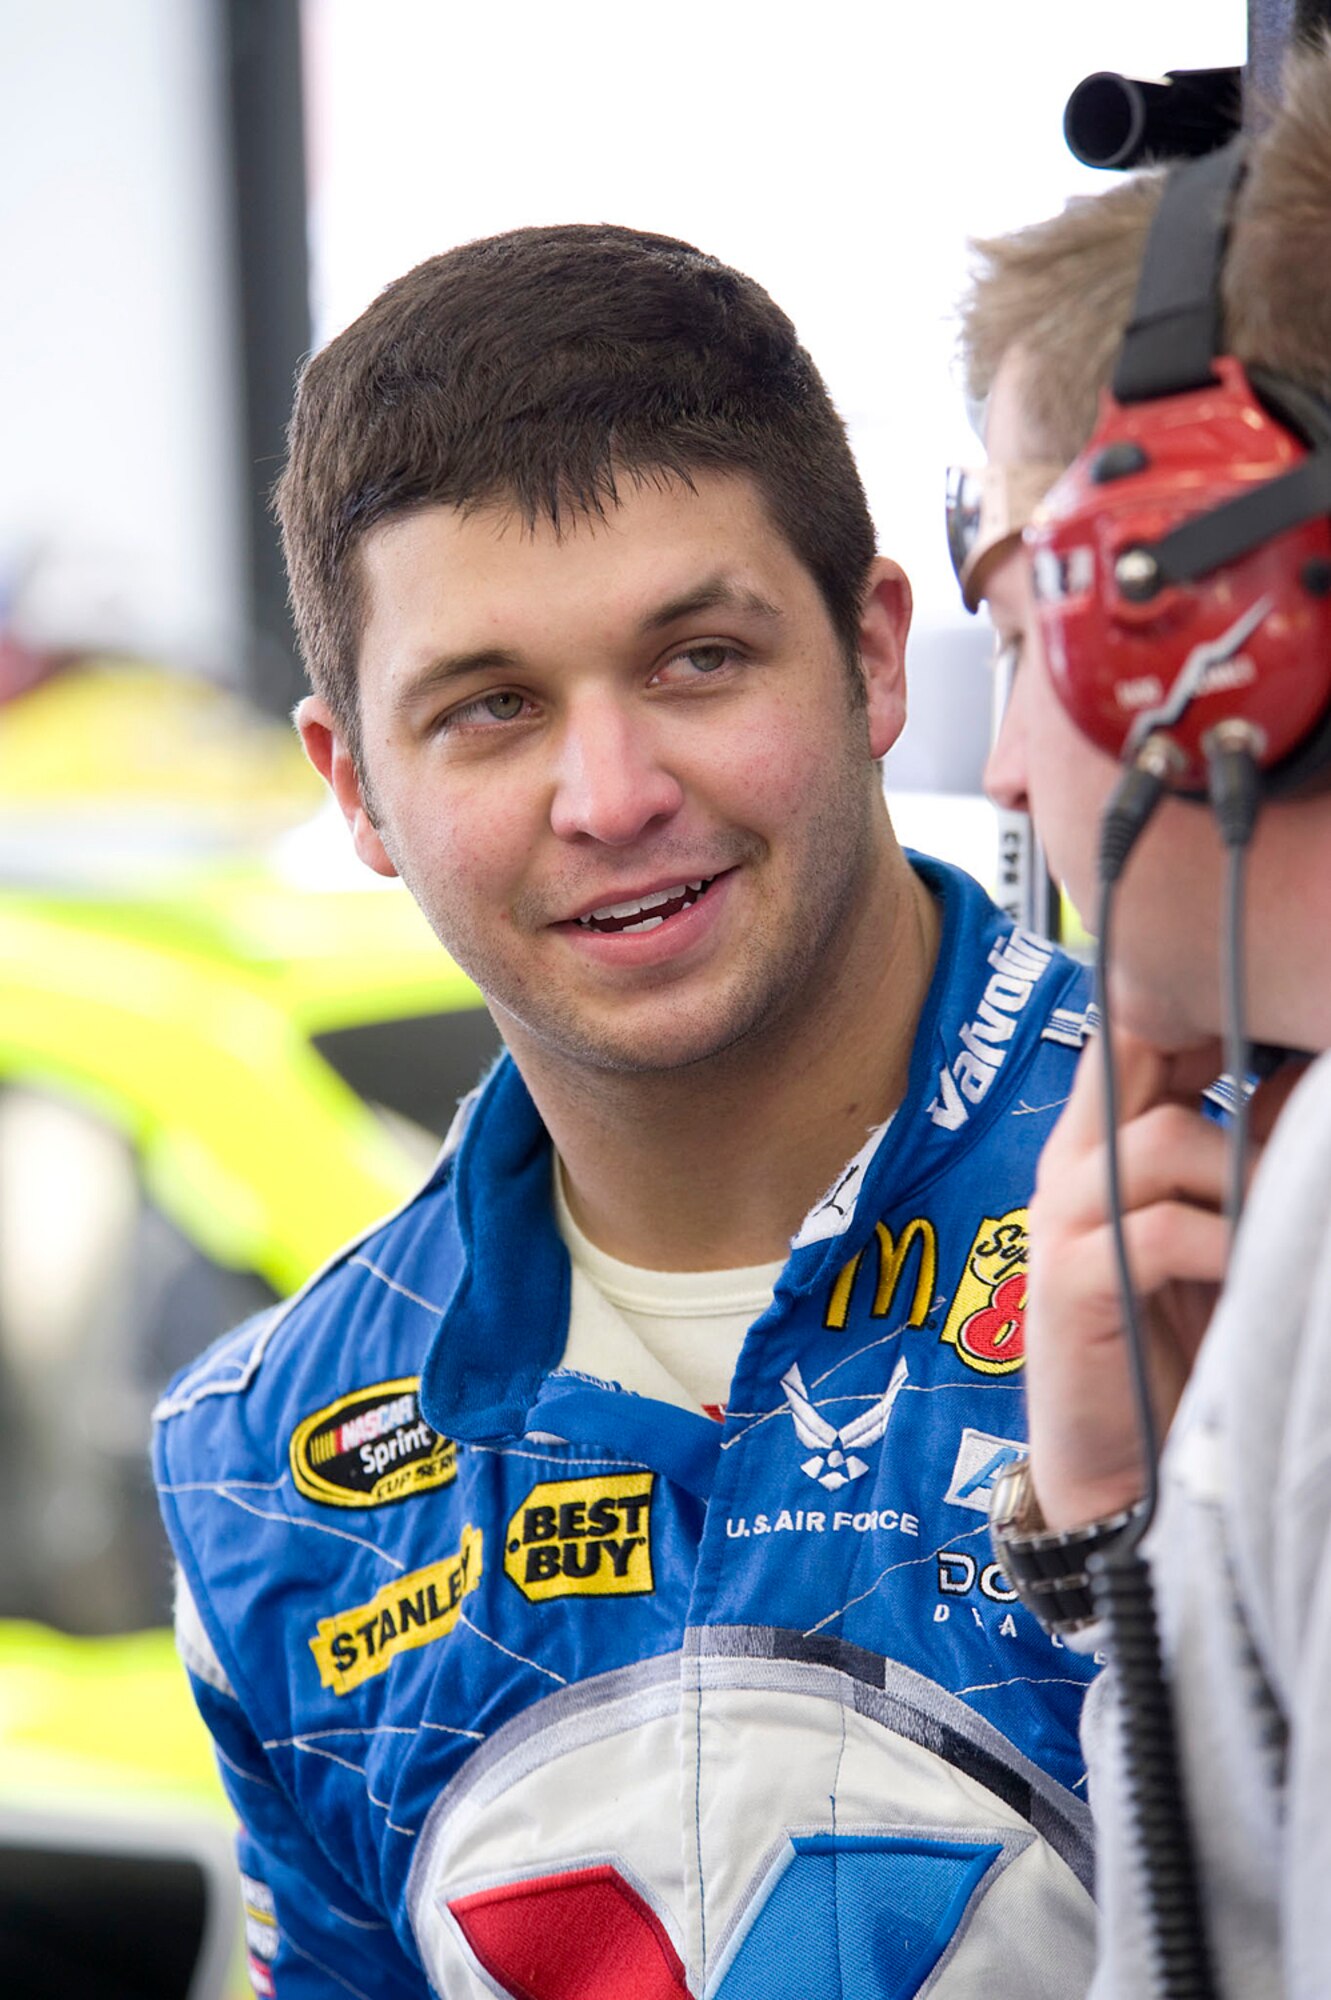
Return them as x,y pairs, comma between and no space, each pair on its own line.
1175,331
1173,337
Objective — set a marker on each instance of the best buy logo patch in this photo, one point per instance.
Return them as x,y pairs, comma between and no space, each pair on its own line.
415,1610
583,1538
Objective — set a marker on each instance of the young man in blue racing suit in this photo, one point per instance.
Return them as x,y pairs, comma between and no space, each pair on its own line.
585,1576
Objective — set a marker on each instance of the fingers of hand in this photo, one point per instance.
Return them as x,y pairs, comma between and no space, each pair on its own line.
1075,1303
1146,1076
1167,1153
1168,1241
1172,1242
1084,1431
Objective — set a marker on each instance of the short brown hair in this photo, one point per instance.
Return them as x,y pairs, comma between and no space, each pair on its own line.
1062,290
537,369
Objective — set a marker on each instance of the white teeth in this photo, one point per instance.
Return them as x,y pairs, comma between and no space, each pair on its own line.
643,903
642,906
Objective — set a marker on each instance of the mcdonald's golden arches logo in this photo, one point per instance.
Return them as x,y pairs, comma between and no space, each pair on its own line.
893,1251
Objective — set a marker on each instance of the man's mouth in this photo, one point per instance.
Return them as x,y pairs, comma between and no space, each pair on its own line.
646,913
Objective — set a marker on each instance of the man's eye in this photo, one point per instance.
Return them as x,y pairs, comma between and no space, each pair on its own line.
502,706
696,662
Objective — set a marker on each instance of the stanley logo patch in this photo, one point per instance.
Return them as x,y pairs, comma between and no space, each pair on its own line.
415,1610
369,1448
986,1324
583,1538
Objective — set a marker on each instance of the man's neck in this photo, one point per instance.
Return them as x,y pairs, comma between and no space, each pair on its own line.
714,1166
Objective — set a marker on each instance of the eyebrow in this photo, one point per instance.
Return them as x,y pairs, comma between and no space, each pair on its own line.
442,673
715,593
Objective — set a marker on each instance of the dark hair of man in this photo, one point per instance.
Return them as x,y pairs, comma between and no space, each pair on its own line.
541,370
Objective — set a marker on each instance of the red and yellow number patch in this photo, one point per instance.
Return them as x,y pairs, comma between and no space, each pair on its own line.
987,1322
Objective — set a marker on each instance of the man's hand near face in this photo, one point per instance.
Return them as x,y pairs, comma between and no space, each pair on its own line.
1173,1165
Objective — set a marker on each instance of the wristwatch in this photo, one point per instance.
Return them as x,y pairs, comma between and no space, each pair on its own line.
1047,1566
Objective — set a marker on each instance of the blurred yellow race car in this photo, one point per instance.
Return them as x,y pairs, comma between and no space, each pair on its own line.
224,1049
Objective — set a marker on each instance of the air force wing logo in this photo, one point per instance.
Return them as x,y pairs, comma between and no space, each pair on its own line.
836,1461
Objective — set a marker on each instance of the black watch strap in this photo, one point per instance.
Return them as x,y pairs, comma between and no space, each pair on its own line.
1047,1566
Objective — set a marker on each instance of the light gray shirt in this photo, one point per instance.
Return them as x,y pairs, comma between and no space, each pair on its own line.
1242,1559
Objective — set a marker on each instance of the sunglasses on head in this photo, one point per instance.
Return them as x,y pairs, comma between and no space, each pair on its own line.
987,508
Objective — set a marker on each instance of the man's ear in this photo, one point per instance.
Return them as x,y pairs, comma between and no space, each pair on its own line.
884,623
327,751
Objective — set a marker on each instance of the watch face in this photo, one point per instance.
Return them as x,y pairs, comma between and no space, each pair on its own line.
1011,1501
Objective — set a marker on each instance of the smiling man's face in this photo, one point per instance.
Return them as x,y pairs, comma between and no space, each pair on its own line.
624,771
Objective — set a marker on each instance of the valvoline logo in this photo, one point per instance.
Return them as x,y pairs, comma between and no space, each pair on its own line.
1015,966
590,1932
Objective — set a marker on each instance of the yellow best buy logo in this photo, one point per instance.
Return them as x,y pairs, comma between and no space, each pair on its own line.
986,1324
415,1610
583,1538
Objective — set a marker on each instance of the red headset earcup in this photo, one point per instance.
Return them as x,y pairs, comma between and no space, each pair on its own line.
1114,658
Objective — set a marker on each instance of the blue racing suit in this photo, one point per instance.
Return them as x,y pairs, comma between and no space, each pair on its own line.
526,1685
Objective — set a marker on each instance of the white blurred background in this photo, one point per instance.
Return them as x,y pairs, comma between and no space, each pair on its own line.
841,154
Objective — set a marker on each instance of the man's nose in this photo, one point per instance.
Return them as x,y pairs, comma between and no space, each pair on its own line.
612,780
1005,767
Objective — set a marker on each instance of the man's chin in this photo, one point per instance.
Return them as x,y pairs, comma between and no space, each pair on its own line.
1166,1017
648,1047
